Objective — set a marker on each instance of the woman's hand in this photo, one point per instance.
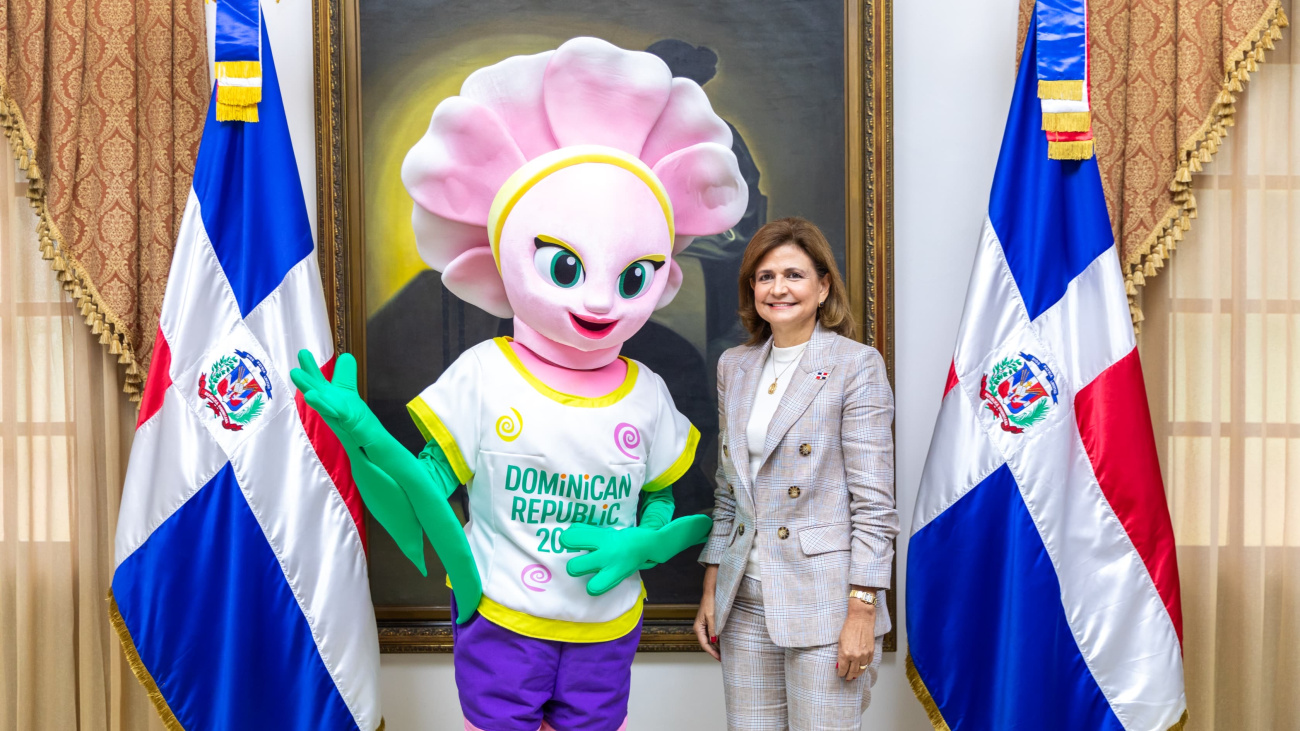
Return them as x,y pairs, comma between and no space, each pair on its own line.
705,628
857,640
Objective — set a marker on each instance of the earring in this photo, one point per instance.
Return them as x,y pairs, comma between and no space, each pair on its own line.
819,304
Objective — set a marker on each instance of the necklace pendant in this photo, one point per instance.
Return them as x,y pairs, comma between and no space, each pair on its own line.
772,388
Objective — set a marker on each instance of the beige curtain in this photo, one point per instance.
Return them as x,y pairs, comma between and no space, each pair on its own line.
1221,351
65,429
1167,77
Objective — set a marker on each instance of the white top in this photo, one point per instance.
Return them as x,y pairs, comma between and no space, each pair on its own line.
780,366
537,461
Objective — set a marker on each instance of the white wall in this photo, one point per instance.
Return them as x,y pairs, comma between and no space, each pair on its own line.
954,67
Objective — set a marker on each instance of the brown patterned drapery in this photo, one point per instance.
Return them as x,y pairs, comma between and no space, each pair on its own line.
1165,80
103,102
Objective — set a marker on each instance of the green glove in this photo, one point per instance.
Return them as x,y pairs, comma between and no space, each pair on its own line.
616,554
408,496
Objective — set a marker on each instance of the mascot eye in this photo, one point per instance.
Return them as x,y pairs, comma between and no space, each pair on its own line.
559,266
636,279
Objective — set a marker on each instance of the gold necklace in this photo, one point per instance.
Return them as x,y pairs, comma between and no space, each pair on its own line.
772,388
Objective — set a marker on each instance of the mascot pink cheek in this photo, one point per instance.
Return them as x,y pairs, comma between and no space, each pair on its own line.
584,258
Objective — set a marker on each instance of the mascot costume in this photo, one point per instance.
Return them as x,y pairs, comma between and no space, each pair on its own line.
556,189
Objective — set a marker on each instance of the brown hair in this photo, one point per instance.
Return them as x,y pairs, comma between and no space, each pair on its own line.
834,314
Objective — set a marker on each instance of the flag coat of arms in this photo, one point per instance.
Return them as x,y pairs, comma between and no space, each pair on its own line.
1042,585
240,588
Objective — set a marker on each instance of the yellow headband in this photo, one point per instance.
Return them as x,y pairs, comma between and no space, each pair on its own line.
535,170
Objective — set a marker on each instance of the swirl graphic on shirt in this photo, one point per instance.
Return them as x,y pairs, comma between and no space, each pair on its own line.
627,437
535,573
509,429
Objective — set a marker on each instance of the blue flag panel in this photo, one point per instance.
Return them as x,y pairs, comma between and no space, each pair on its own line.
1050,215
252,200
1021,668
217,626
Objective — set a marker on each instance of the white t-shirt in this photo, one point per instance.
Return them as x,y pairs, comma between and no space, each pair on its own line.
780,366
536,461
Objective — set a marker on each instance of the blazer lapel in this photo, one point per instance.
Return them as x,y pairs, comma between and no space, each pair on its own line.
740,403
803,388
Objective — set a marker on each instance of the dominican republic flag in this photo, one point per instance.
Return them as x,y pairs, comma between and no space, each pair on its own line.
240,588
1042,585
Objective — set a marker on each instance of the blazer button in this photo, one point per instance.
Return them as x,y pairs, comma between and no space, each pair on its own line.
794,491
731,489
742,529
805,449
726,451
783,533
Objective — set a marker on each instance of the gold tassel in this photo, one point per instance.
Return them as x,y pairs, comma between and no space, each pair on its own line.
105,338
1129,289
1176,236
114,347
1138,278
1068,89
230,113
238,69
1149,269
1160,251
1183,175
1067,121
1069,150
239,96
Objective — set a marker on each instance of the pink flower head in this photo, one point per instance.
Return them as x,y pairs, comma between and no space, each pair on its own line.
556,189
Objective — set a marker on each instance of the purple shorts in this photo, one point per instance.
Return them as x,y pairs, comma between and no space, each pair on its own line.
509,682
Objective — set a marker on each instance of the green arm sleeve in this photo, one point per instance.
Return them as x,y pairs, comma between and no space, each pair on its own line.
439,467
656,508
390,506
427,490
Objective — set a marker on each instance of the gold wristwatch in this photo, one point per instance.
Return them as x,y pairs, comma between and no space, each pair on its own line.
865,596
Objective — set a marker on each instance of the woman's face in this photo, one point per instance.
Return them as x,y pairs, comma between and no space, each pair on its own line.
787,289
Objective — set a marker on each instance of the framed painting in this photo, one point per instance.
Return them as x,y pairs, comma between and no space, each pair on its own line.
804,86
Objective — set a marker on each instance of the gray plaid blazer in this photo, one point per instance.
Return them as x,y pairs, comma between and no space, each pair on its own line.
822,504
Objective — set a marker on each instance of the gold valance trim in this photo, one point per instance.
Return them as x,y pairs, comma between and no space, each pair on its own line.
1200,148
71,275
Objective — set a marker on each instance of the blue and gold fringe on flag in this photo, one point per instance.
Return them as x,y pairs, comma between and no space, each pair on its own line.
238,60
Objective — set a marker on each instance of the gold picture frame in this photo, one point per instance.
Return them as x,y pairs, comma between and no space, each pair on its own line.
868,194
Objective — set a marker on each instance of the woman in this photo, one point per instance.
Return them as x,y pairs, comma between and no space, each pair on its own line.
798,562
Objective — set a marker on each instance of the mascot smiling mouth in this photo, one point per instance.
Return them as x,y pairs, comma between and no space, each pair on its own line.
592,328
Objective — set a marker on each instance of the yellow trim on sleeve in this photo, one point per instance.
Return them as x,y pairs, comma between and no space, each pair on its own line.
568,399
678,468
560,630
435,431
